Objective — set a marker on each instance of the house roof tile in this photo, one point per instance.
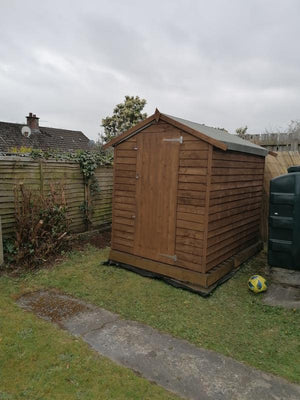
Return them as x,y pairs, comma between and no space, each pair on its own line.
44,138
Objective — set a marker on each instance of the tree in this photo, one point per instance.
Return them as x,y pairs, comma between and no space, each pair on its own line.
241,132
293,128
125,115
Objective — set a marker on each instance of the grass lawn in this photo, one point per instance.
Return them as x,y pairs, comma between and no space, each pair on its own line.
39,361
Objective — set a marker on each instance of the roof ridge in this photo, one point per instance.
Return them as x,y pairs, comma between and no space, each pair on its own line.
40,127
11,123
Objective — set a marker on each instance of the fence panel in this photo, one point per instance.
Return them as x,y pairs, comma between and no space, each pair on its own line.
39,175
102,200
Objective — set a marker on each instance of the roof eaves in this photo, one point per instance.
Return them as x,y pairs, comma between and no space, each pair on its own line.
260,151
132,131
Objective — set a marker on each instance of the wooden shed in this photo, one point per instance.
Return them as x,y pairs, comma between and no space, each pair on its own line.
186,200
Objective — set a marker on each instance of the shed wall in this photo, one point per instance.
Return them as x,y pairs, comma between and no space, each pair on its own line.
234,204
191,197
218,206
191,202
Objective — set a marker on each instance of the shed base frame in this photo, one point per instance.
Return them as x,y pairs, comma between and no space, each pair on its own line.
197,282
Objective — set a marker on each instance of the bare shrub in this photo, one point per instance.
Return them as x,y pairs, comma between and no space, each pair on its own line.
41,225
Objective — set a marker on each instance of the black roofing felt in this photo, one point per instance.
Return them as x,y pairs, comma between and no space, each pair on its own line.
44,139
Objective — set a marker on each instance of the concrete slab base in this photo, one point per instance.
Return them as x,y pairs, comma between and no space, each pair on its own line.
282,296
285,276
284,290
176,365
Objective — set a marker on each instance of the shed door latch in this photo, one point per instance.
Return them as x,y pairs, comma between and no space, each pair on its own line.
180,140
168,256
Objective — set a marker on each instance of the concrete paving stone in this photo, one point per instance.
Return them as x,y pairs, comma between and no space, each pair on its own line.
88,321
178,366
285,276
282,296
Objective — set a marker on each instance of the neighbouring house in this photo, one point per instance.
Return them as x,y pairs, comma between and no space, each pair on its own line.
31,135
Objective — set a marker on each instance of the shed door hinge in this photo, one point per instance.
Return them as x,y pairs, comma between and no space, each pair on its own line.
180,140
168,256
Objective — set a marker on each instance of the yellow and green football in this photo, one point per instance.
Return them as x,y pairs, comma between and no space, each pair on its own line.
257,284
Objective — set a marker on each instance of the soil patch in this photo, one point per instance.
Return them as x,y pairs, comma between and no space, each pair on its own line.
77,242
100,240
52,305
96,238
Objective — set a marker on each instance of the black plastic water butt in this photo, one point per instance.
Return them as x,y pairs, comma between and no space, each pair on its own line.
284,220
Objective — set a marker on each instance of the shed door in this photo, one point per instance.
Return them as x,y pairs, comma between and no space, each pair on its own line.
157,176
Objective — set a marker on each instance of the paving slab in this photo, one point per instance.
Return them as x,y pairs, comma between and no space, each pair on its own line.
178,366
284,290
282,296
285,276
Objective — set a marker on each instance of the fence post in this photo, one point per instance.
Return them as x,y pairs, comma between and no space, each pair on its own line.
87,202
41,177
1,244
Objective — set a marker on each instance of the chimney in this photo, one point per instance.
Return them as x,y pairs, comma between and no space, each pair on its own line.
33,121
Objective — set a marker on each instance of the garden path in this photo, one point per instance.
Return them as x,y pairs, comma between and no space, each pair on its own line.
178,366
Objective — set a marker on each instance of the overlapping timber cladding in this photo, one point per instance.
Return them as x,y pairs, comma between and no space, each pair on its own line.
186,200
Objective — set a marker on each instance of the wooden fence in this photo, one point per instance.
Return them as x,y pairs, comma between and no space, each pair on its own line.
275,166
39,175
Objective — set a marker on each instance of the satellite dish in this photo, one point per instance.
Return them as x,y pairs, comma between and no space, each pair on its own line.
26,131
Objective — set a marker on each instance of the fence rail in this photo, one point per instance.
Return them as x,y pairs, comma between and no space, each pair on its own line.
40,174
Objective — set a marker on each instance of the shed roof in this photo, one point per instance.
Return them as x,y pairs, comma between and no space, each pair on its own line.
233,142
217,137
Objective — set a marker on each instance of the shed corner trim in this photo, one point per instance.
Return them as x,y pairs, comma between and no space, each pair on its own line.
272,153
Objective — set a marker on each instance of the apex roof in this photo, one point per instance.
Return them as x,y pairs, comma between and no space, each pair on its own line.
233,142
215,136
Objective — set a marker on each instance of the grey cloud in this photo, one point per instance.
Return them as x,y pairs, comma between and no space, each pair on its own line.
221,63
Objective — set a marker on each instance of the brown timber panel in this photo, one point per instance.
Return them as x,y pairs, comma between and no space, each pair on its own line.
157,170
69,176
40,175
13,173
230,196
124,195
235,204
181,274
191,200
102,200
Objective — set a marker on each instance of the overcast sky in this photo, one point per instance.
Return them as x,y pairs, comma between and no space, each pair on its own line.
225,63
